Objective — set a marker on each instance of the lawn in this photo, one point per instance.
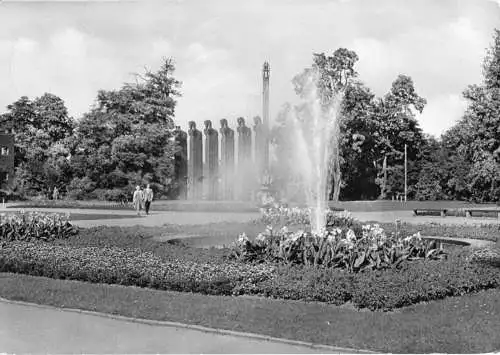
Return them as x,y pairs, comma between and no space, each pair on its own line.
466,324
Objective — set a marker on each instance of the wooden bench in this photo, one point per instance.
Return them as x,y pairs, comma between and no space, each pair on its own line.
430,211
470,212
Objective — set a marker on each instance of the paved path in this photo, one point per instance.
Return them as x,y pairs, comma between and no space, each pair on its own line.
177,217
32,329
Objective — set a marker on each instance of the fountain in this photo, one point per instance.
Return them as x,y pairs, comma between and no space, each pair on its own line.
314,133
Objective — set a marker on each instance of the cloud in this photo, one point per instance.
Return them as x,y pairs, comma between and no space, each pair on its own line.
441,112
73,50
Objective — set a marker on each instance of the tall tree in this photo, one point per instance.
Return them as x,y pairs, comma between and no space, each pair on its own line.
126,139
39,127
474,142
333,75
397,126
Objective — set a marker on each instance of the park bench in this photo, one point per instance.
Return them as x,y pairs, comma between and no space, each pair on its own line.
473,212
430,212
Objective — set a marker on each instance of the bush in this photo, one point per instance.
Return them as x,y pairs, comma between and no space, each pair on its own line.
80,188
416,282
35,226
115,195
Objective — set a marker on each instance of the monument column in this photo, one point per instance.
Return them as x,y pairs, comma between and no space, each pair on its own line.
265,115
227,160
195,163
181,163
212,160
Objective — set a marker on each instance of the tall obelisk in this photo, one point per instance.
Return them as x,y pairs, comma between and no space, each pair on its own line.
265,115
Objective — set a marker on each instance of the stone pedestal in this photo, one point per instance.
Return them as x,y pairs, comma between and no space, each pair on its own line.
195,164
211,160
227,160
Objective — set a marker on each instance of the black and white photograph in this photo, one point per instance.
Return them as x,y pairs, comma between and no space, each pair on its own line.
249,176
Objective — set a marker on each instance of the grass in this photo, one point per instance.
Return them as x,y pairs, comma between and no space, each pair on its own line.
467,324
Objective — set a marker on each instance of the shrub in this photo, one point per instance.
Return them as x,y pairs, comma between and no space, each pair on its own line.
115,195
80,188
35,226
419,281
336,248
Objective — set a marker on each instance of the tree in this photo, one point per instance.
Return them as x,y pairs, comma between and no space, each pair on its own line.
397,126
41,127
127,138
332,75
474,142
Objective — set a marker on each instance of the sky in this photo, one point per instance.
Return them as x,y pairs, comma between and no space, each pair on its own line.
75,48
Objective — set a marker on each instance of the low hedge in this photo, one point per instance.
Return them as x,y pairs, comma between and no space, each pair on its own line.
381,290
376,290
127,267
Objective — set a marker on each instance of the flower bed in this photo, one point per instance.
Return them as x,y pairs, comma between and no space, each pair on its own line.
414,282
336,248
35,226
127,267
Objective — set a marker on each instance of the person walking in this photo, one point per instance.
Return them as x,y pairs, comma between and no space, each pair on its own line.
137,199
55,194
148,198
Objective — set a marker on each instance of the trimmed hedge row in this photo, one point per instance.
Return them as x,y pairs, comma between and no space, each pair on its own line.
127,267
381,290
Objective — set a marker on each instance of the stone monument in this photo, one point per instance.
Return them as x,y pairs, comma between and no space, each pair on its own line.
195,164
245,173
265,116
227,160
259,146
181,162
211,160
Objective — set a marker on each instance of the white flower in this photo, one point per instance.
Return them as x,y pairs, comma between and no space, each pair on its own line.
242,238
261,238
350,235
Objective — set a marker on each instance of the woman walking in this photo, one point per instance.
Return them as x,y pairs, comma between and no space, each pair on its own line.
137,199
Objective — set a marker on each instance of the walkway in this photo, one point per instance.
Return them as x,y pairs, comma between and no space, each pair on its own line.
158,218
34,329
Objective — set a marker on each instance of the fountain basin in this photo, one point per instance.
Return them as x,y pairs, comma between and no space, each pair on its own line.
460,242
